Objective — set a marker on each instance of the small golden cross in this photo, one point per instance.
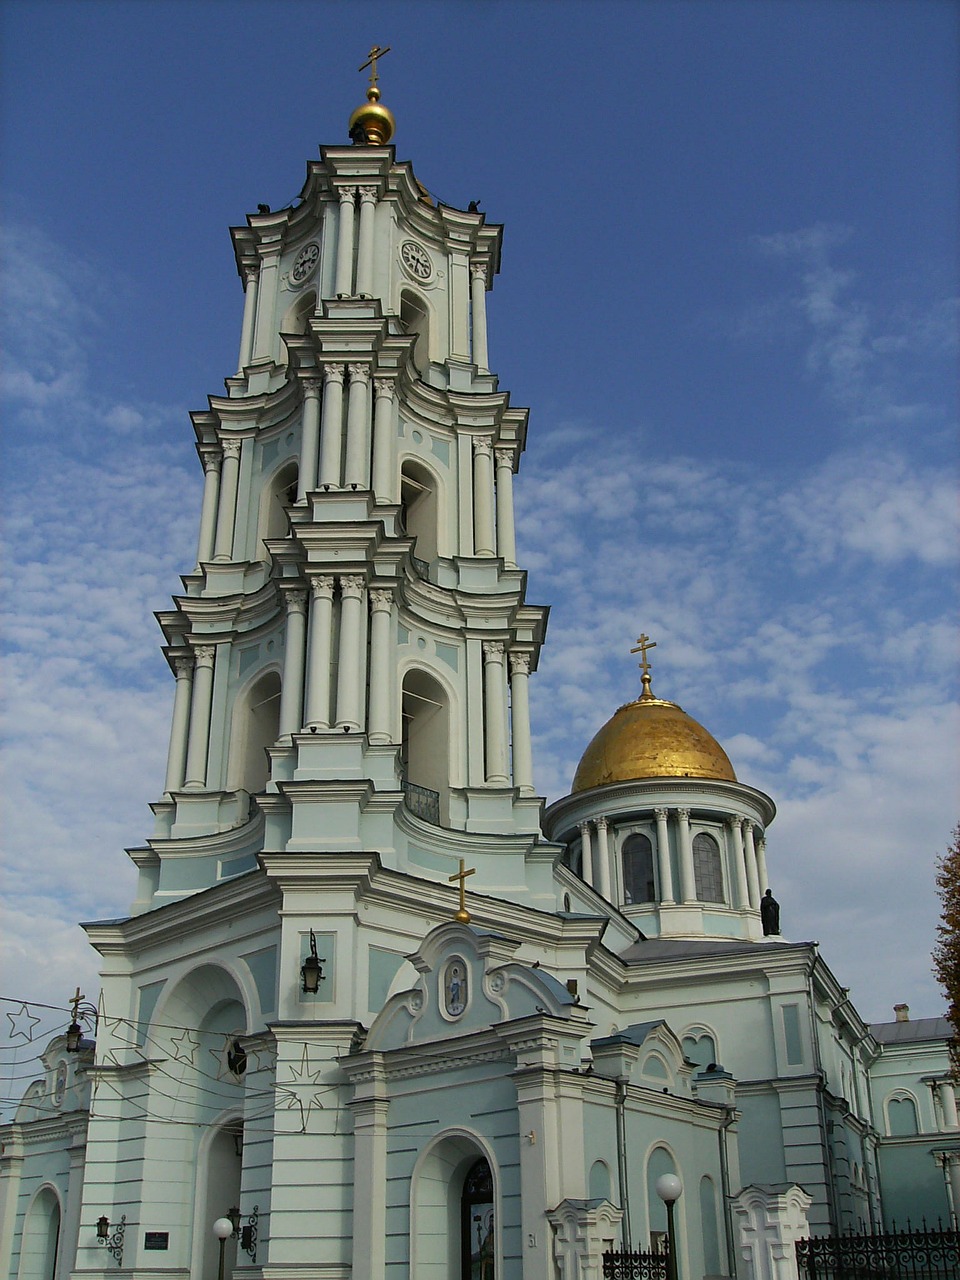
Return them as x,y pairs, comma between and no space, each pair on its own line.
371,62
75,1001
643,644
463,915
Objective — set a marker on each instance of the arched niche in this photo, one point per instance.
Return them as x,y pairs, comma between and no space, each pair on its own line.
415,320
600,1182
439,1200
902,1117
425,738
296,319
420,508
41,1237
700,1047
278,493
659,1162
219,1172
256,726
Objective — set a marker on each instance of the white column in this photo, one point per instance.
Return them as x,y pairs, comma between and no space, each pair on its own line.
750,857
177,751
586,853
370,1181
331,428
483,498
358,428
495,711
368,207
200,703
603,858
520,720
265,330
310,439
348,663
227,507
948,1101
384,438
212,459
320,643
506,532
739,866
251,277
344,277
478,314
952,1159
663,856
291,688
761,844
380,666
688,881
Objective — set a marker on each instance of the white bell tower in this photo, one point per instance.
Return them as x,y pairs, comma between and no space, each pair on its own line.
352,650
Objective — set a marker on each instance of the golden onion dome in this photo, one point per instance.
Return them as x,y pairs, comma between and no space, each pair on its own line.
651,738
372,124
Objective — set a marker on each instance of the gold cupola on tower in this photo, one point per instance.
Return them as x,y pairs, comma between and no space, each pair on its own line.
372,124
651,738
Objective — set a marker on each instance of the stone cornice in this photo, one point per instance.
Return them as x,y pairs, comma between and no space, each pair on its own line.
205,912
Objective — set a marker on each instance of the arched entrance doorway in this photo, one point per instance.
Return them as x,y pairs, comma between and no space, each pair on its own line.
477,1224
455,1229
41,1238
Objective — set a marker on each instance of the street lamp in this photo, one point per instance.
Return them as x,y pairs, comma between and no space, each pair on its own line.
223,1230
669,1188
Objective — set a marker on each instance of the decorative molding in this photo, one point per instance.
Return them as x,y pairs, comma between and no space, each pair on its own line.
381,601
183,665
493,650
334,372
368,195
482,447
205,654
311,386
359,373
321,585
231,448
351,586
295,601
519,663
383,388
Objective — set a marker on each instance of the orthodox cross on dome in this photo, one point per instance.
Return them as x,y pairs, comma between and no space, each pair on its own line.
644,643
463,915
371,62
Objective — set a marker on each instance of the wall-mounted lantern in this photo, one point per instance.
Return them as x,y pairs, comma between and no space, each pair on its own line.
311,972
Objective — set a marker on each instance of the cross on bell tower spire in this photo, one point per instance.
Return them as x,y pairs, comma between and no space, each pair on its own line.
644,644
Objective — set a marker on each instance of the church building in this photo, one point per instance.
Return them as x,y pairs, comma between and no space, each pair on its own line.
375,1005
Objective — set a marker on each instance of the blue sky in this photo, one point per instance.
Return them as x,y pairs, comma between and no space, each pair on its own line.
727,294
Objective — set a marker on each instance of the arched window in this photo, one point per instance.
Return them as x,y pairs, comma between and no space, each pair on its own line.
279,494
415,319
707,872
638,881
425,746
477,1224
256,726
297,318
659,1163
902,1119
600,1184
420,508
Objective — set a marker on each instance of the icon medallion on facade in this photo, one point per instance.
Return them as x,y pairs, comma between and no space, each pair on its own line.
305,261
416,260
455,987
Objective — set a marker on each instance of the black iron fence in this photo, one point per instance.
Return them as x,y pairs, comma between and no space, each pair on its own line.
923,1253
635,1265
422,801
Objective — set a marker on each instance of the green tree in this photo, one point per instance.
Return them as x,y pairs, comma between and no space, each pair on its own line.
946,954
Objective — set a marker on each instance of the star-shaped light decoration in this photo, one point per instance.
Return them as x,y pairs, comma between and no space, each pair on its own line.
22,1023
185,1047
300,1092
230,1057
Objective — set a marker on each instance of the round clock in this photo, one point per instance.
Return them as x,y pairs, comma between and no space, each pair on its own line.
416,260
306,260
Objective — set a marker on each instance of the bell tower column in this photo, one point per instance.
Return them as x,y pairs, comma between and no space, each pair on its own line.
506,532
478,314
368,206
319,652
344,281
212,459
383,440
520,720
251,278
227,508
200,705
750,854
381,603
177,751
291,688
307,477
331,428
358,427
348,666
483,497
495,711
586,854
603,858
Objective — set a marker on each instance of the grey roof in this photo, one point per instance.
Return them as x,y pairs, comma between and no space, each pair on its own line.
652,950
908,1032
634,1034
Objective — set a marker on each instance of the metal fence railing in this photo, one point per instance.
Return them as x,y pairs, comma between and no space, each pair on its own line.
924,1253
422,801
635,1264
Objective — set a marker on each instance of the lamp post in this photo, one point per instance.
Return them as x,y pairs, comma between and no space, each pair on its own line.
223,1230
669,1188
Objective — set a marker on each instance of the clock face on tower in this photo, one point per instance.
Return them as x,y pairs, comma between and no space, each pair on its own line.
306,260
416,260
